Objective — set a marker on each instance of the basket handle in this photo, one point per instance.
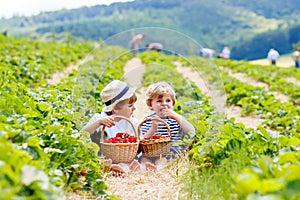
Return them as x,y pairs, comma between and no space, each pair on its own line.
121,117
161,120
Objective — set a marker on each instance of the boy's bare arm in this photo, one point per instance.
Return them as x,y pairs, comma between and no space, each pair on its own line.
186,126
150,133
105,121
153,128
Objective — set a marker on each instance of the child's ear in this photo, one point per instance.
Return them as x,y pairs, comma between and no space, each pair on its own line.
150,107
115,110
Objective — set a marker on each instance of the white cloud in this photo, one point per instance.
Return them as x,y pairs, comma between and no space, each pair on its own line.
31,7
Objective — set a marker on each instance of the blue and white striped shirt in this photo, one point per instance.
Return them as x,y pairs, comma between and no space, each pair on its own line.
176,131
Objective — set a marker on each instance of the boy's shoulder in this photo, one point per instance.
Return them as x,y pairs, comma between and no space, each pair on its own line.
100,115
97,116
149,116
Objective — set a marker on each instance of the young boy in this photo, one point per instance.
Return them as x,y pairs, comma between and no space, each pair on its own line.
119,99
161,99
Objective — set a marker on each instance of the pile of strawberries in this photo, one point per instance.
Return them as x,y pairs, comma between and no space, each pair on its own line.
155,137
122,138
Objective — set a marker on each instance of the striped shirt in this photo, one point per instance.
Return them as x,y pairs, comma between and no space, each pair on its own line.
176,131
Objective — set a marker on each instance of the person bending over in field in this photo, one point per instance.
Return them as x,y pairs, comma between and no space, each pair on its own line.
155,46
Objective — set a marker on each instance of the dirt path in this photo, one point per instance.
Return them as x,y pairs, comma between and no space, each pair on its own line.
133,71
188,73
55,79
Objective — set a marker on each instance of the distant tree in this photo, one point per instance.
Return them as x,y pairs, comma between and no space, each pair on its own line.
296,46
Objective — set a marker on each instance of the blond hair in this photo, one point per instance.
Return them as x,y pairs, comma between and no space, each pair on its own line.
158,90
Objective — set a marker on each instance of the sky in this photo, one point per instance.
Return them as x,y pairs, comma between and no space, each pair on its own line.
32,7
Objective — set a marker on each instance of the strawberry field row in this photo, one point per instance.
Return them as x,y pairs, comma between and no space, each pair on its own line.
277,115
31,62
274,77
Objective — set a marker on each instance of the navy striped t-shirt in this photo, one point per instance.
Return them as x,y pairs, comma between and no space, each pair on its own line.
176,131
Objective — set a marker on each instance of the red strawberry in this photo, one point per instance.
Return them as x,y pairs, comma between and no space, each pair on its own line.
145,139
83,172
120,134
125,140
132,139
113,140
77,174
156,136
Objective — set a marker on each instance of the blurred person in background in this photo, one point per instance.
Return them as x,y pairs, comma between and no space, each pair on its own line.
135,41
207,53
225,54
154,46
273,55
295,56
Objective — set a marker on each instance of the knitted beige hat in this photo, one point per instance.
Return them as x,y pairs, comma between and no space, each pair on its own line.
115,92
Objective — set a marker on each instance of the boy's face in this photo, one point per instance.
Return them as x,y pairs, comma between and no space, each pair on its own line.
158,104
126,110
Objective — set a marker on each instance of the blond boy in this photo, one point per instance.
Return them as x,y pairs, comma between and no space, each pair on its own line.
161,99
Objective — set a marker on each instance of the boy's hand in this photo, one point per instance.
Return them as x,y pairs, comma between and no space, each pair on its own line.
107,121
169,113
155,121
